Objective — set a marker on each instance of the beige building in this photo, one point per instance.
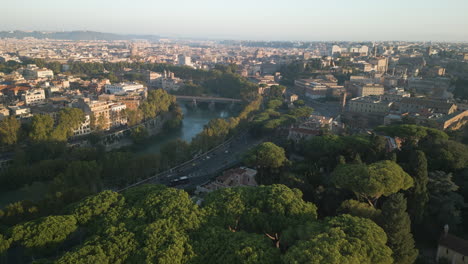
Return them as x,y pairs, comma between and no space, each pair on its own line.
109,112
369,104
414,105
380,64
33,96
33,72
370,89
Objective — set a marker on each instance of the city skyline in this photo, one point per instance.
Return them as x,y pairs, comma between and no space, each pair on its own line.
243,20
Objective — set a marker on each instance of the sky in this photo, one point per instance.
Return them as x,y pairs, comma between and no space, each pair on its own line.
306,20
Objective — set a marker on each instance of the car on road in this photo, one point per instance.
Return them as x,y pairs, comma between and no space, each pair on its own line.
179,181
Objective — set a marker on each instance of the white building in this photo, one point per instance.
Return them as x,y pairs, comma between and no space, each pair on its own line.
335,49
34,96
20,111
85,127
34,72
122,88
185,60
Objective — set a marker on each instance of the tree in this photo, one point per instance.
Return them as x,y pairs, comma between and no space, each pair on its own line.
418,195
274,104
9,130
397,224
446,155
266,155
41,128
102,122
277,91
4,244
301,112
372,181
95,205
69,119
165,243
359,209
44,232
216,244
413,133
134,117
445,204
112,245
265,210
341,239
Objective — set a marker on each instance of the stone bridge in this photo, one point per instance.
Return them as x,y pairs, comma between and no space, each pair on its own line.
211,100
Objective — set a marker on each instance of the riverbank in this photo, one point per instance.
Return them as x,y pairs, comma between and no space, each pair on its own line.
192,124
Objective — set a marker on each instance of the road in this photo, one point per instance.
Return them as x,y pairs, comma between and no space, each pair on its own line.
206,166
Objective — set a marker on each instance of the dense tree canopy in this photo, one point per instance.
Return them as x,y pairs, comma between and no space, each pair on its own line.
342,239
156,224
9,130
266,155
372,181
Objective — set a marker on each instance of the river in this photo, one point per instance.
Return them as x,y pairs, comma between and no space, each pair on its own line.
192,124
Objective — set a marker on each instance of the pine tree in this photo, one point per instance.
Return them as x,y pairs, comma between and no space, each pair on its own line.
418,195
397,224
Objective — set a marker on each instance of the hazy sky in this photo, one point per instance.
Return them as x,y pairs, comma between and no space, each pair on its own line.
436,20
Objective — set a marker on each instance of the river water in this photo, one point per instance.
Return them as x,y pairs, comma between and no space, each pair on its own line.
192,124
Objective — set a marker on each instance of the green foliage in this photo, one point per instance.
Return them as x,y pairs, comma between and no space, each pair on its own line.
134,117
418,195
301,112
69,119
277,91
165,243
94,206
157,102
41,128
4,244
359,209
216,244
156,224
159,202
413,133
114,246
44,232
274,104
444,206
82,176
446,155
266,155
265,209
213,134
9,130
139,133
397,224
342,239
372,181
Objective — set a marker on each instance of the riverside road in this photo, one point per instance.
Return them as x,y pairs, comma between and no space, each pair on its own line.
203,168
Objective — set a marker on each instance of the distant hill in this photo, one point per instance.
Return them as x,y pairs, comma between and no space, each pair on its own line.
73,35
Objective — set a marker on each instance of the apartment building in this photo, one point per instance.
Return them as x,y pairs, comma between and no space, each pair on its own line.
122,88
33,96
369,104
415,105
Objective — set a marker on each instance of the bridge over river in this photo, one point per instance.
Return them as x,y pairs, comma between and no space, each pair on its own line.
206,99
